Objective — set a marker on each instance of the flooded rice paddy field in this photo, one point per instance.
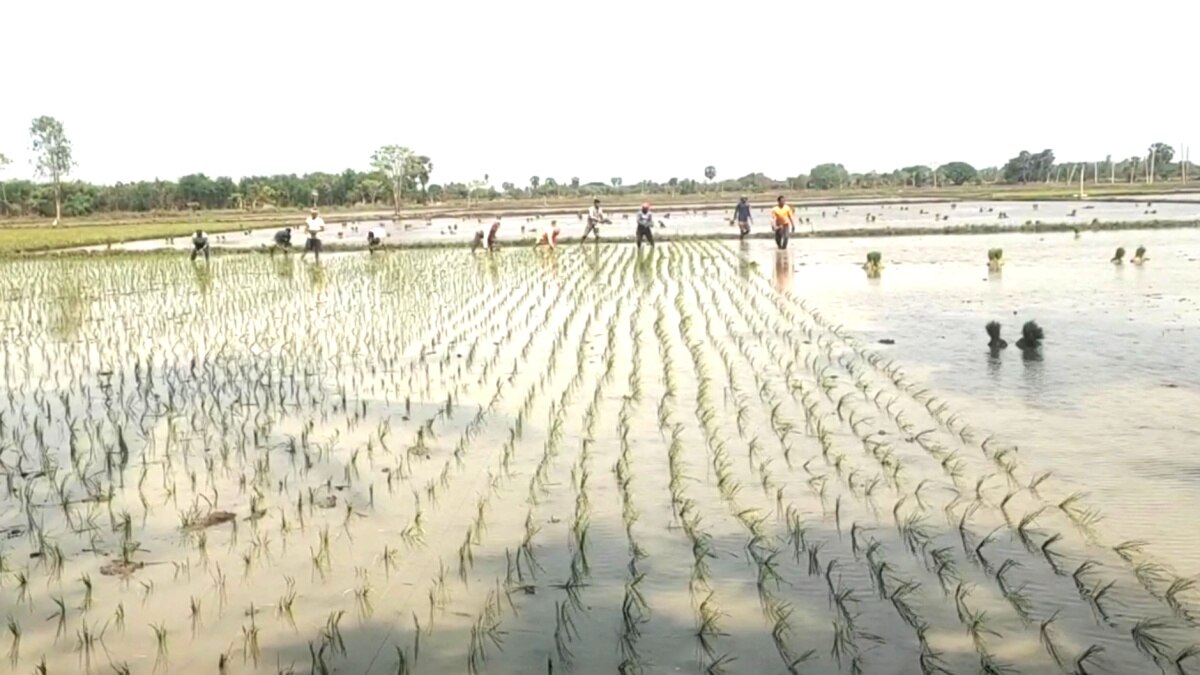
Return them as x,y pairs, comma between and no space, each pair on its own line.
813,219
693,459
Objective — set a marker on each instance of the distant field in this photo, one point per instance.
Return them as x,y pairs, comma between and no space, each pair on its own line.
25,235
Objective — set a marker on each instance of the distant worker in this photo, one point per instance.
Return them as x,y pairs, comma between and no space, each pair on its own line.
375,237
477,242
645,226
283,240
784,221
741,215
200,245
314,226
549,235
491,238
595,218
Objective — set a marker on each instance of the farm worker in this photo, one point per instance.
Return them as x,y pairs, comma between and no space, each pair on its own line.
549,235
784,220
375,237
314,226
491,238
283,240
645,225
478,241
200,245
741,215
595,218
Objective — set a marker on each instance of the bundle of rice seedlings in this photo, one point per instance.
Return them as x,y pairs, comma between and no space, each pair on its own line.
874,264
995,259
1119,256
1139,256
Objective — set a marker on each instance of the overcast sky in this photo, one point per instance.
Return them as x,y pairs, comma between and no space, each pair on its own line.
562,88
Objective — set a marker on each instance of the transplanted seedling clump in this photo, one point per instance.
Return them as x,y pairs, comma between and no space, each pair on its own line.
995,259
1031,337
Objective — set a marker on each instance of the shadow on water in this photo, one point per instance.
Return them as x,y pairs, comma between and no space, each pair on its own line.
528,637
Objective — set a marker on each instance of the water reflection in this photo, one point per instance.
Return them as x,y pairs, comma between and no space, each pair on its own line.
783,271
644,269
744,264
318,277
203,274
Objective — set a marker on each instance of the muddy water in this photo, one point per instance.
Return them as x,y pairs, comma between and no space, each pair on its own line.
582,461
713,221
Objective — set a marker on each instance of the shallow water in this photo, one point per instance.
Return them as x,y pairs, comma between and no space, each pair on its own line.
701,222
692,458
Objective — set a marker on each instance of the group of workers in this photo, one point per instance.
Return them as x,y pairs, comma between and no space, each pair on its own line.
783,222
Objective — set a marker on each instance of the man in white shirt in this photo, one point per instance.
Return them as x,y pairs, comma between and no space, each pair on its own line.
314,226
594,218
375,237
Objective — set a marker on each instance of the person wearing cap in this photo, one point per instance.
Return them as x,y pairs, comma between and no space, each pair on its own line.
314,226
645,226
741,215
784,220
200,244
375,237
549,235
595,218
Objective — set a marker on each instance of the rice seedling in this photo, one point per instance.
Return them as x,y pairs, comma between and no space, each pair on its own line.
1119,256
14,647
1148,638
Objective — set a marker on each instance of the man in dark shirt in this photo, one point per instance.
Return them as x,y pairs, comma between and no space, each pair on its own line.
200,245
741,214
283,240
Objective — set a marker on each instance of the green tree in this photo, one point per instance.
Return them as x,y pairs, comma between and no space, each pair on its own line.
710,172
420,168
394,162
575,184
827,176
616,182
958,173
1162,154
534,182
52,153
4,162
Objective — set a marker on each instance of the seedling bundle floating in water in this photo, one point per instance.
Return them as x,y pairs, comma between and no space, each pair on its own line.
995,259
874,264
554,466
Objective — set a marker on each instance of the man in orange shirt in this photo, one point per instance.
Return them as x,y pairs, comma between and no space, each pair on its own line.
784,220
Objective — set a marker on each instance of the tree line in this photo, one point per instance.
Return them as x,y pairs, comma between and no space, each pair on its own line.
397,175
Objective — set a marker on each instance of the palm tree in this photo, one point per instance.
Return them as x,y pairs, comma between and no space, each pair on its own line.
710,172
616,183
534,182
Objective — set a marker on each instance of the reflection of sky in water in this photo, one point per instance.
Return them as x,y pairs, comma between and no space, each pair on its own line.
1103,323
1112,405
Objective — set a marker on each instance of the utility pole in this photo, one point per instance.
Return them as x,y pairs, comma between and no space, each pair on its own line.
1082,173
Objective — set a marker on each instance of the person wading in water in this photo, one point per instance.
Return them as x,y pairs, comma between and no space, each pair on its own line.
784,220
595,218
741,215
314,226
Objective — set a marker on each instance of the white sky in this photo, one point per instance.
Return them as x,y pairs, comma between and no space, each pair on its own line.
562,88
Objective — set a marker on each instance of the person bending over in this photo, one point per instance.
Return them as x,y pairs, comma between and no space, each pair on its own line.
200,245
375,238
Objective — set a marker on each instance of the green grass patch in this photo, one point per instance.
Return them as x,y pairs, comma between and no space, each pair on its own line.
16,240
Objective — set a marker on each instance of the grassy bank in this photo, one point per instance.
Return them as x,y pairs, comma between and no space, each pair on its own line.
15,240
